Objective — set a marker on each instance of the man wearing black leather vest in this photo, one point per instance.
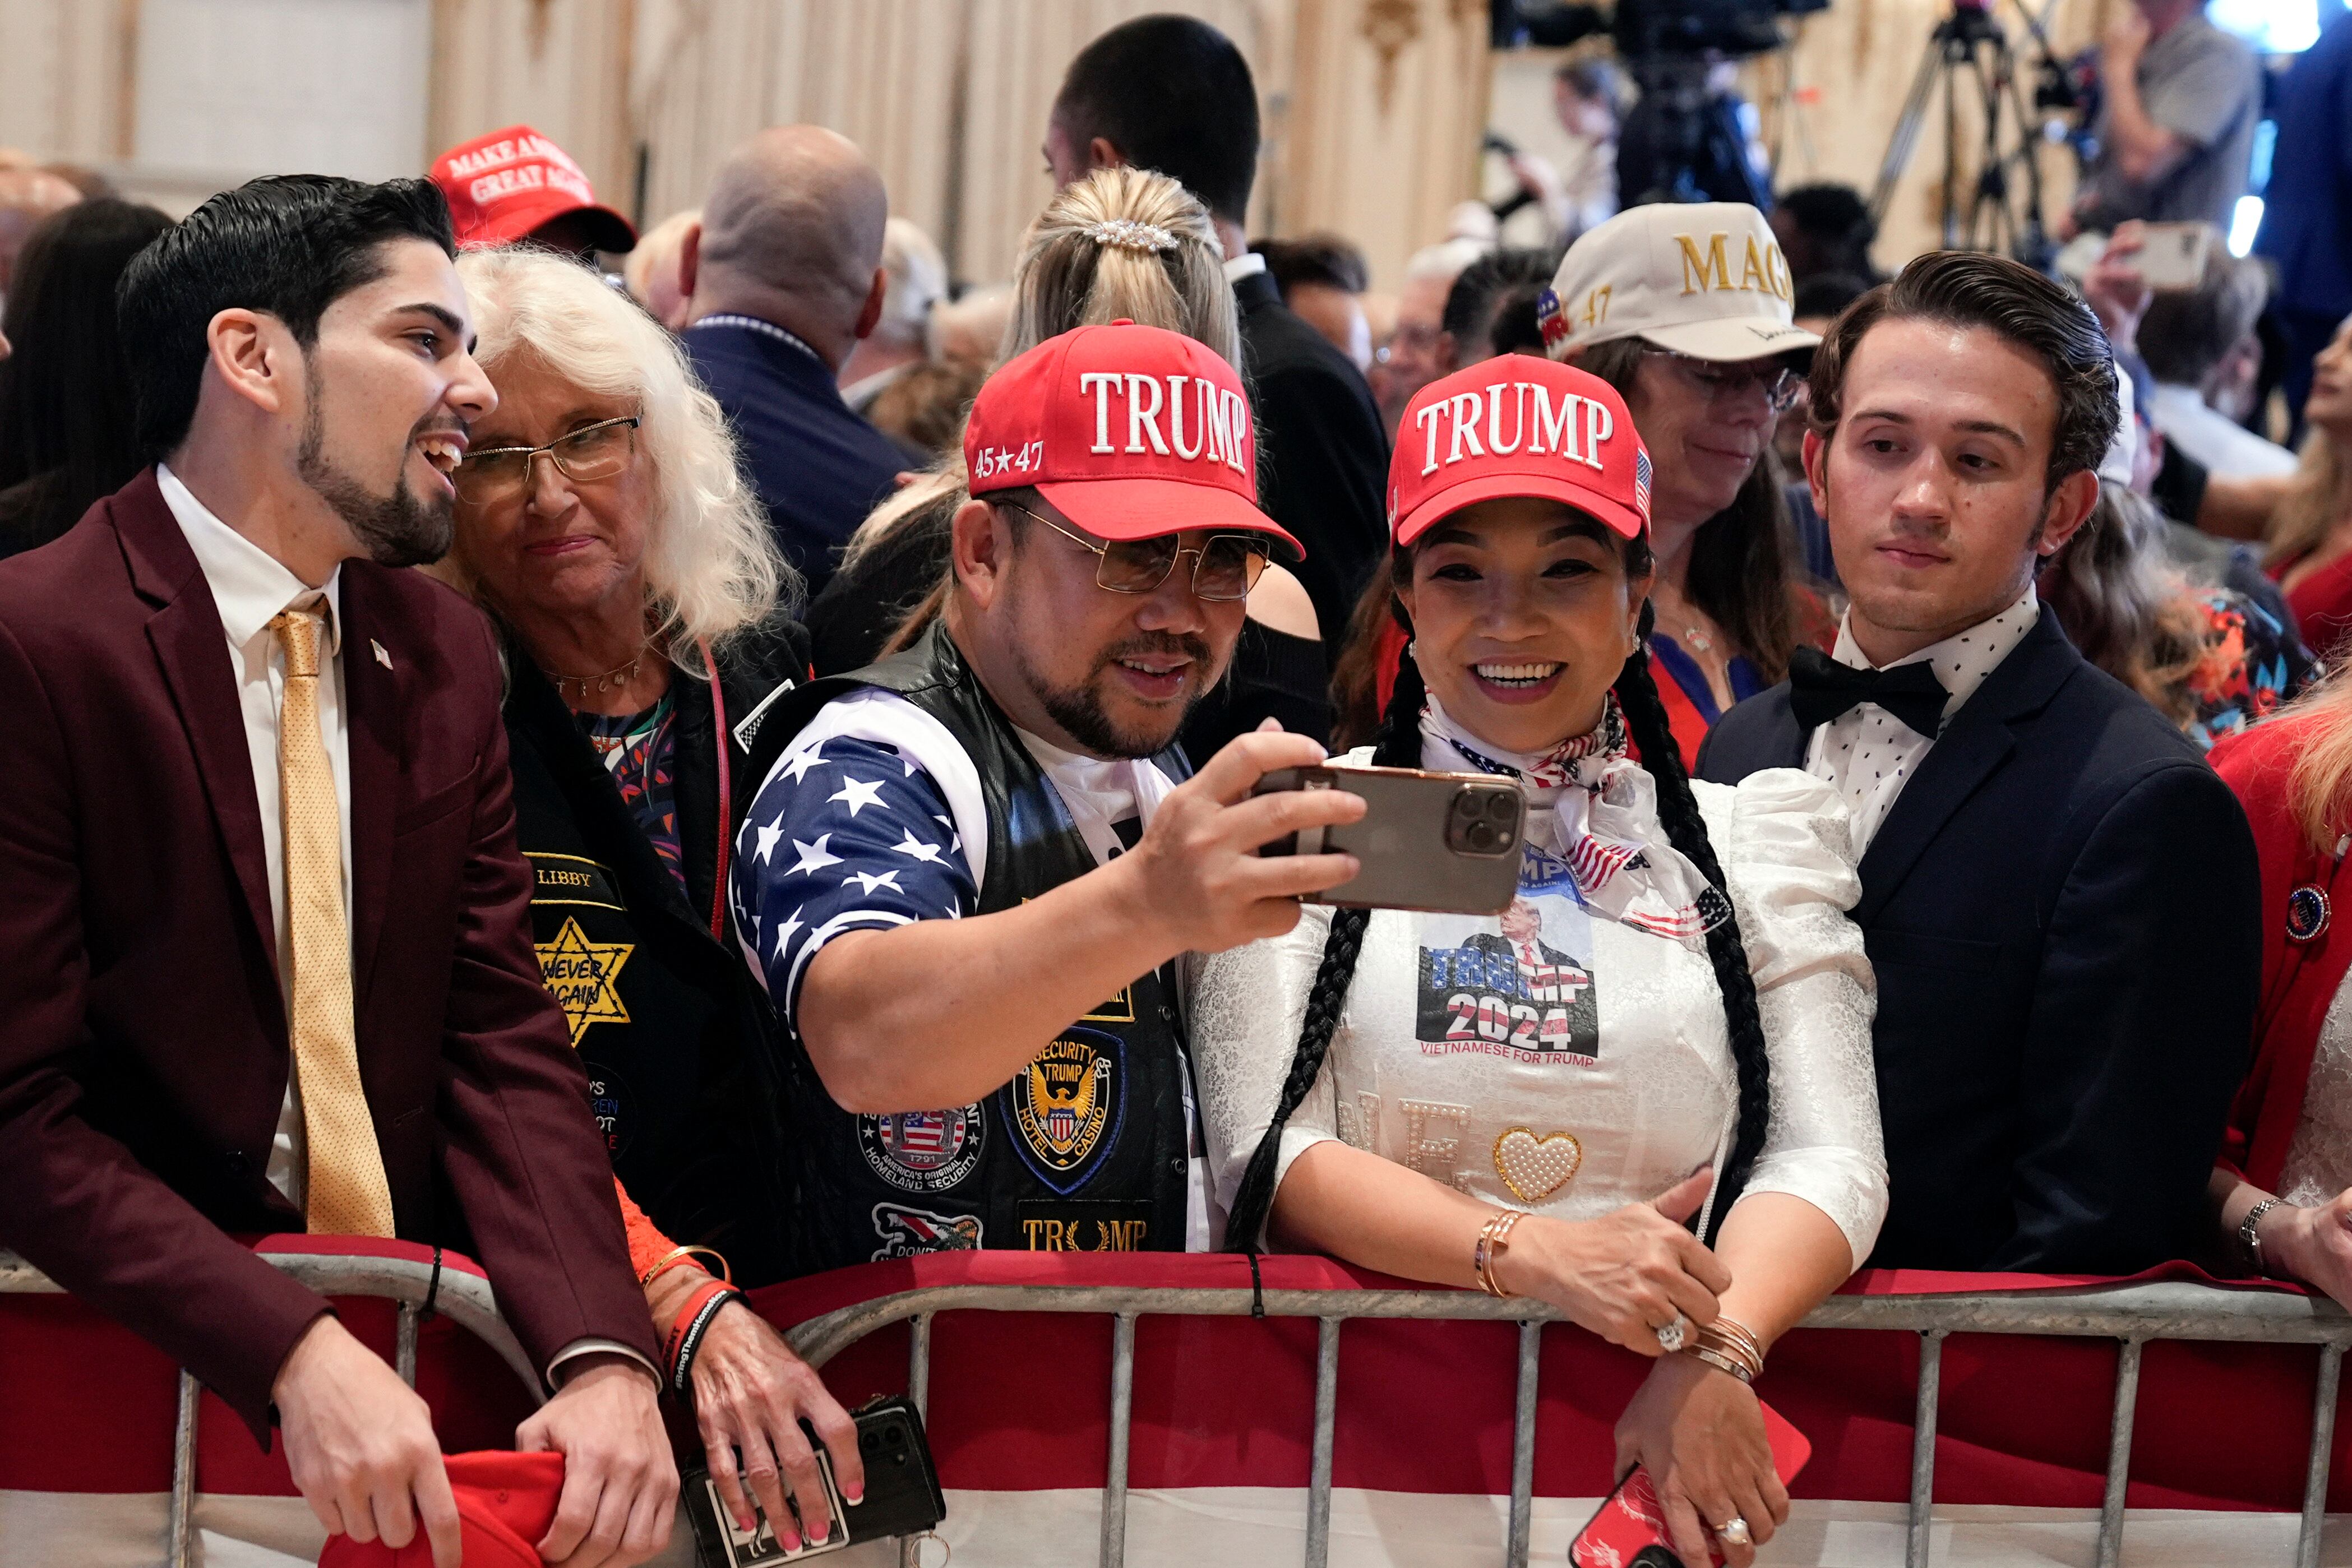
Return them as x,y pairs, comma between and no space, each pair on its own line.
971,872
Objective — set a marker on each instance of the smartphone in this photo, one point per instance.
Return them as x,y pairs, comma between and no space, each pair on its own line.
1445,843
2172,258
1630,1530
902,1496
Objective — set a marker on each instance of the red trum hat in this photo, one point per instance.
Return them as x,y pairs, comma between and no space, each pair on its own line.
1132,433
504,186
506,1504
1518,425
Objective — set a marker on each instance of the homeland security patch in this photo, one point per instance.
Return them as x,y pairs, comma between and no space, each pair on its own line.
923,1151
584,977
1067,1103
907,1232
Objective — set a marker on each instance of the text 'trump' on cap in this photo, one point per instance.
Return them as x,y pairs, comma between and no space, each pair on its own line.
1518,425
1131,432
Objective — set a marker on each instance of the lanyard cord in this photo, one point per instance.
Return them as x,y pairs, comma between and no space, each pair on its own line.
726,795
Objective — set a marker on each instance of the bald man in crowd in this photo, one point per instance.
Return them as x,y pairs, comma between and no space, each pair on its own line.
782,277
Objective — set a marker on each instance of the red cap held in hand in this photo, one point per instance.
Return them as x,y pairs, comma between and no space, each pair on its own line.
504,186
505,1503
1130,432
1518,425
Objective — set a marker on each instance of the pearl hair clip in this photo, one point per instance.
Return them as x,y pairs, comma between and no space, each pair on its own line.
1129,234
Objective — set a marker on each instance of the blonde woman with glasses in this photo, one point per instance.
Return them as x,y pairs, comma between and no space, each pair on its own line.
601,521
1121,244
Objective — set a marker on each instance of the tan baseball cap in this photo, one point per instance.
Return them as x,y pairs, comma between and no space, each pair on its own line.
1703,279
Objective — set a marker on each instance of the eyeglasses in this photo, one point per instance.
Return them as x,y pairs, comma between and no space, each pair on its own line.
1718,381
1224,568
593,452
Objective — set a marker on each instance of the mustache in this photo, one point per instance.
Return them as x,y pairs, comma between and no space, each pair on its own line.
1187,646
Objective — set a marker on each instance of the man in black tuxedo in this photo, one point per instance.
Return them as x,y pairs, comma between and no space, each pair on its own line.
2059,896
1172,93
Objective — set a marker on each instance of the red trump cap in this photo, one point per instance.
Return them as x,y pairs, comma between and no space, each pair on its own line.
505,186
506,1502
1130,432
1518,425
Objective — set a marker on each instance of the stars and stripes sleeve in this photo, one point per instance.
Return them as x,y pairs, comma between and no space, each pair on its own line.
846,835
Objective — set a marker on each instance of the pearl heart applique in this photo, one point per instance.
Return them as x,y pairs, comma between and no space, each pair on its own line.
1536,1167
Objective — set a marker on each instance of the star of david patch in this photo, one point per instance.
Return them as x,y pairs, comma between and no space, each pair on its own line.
583,977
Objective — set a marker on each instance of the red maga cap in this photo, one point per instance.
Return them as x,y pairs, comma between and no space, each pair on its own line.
1130,432
506,1504
1518,425
503,186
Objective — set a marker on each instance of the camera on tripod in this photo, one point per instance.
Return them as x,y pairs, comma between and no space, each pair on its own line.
1731,29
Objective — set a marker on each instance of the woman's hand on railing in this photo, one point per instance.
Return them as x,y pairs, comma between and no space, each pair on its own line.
1700,1433
1625,1275
751,1394
2313,1245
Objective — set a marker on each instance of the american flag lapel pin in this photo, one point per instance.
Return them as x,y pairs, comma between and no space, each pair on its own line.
380,656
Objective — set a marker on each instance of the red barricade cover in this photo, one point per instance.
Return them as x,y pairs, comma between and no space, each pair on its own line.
1019,1401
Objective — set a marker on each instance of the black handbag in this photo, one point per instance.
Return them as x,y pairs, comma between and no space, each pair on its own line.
902,1494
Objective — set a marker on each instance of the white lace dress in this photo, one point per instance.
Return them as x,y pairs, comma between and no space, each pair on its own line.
1577,1062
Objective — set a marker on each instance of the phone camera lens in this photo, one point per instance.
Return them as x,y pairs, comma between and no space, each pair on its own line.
1501,807
1480,837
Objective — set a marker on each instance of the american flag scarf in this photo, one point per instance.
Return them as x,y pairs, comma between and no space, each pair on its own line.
1602,820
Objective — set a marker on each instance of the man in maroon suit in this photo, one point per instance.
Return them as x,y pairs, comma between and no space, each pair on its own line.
264,949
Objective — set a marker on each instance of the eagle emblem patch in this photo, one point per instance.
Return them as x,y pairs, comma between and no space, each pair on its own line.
923,1151
1065,1104
584,977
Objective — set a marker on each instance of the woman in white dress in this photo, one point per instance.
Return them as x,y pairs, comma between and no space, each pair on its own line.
1626,1048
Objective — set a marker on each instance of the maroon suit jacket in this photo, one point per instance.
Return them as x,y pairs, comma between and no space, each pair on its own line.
143,1053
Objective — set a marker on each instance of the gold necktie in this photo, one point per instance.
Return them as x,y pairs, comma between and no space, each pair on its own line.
348,1195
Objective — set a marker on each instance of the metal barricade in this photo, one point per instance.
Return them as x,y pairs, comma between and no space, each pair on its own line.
463,1298
2132,1315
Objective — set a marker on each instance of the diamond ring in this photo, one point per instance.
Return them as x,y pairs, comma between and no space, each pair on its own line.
1734,1532
1671,1337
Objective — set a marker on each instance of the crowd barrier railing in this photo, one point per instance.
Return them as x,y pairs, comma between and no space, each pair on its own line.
456,1292
2132,1314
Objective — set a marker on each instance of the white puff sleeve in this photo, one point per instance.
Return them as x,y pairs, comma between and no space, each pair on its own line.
1785,842
1249,1004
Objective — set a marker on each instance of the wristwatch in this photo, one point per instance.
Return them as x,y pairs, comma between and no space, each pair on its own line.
2249,1236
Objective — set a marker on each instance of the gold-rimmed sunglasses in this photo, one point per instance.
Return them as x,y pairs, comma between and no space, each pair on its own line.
593,452
1225,566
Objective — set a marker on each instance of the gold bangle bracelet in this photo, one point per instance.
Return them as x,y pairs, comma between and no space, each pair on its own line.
1493,1236
677,1255
1721,1362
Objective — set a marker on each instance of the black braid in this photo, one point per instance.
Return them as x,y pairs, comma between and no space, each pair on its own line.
1399,746
1645,719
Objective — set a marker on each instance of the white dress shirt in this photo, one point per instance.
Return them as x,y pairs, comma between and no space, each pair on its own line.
1868,753
1249,264
250,589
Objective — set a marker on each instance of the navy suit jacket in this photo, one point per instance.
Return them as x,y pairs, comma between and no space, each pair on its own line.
2063,910
817,466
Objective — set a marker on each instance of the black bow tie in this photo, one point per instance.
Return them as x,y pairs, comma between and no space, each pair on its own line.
1821,689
